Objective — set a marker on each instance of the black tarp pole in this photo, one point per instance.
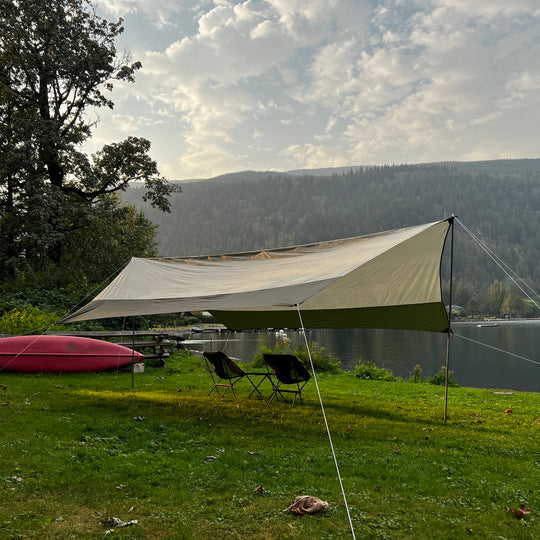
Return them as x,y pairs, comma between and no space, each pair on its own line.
449,320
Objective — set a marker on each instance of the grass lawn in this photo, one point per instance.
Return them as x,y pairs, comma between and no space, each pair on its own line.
78,449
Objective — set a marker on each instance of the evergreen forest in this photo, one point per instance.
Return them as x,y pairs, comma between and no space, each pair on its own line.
497,201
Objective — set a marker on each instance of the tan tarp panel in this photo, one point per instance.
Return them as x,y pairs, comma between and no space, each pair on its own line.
385,280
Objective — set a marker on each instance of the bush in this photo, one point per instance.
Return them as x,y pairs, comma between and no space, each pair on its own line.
322,361
368,370
416,377
27,320
258,360
440,378
41,291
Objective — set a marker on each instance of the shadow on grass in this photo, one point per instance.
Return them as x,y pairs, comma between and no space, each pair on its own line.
163,405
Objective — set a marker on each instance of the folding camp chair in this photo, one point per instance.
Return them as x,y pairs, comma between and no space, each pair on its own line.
287,370
225,373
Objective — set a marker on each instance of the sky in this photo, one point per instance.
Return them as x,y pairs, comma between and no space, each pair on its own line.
234,85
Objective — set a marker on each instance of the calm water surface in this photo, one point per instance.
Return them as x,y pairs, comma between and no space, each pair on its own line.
400,350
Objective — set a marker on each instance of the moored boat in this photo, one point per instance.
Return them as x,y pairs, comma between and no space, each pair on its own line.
63,354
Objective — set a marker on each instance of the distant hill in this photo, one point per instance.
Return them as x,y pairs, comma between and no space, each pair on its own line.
498,200
496,167
235,177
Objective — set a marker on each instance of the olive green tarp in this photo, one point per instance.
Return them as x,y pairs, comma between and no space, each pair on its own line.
385,280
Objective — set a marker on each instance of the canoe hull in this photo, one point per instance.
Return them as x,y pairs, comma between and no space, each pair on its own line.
62,354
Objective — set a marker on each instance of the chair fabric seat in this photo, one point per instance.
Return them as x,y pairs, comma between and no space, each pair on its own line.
286,369
225,373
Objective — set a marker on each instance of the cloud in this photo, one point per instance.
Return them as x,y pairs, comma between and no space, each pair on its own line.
158,12
215,156
417,95
236,84
315,156
223,75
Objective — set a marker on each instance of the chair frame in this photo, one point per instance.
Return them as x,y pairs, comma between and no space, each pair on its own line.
286,369
225,373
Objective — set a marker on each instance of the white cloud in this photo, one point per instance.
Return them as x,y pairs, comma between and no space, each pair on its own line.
158,12
215,157
315,156
489,9
522,86
297,83
118,8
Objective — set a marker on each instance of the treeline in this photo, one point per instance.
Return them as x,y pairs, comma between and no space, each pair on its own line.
497,201
494,300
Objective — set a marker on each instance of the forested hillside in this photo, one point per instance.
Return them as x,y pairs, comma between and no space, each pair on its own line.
498,200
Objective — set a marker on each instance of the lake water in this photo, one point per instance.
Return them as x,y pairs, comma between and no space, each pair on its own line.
400,351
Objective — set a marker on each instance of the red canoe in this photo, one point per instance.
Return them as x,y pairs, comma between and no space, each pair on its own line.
66,354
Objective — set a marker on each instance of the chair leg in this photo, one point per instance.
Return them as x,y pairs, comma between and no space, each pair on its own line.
218,385
274,395
298,393
275,391
255,386
278,390
229,386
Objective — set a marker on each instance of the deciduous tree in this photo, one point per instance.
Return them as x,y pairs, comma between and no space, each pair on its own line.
513,306
58,61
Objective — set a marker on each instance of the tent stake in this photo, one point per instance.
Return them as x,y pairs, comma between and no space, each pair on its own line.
449,320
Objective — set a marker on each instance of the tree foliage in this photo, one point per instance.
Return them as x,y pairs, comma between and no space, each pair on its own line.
104,246
497,294
58,62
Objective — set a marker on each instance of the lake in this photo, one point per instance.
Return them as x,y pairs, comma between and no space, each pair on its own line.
401,350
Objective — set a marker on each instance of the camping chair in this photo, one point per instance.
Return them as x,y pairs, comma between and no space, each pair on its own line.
225,373
288,370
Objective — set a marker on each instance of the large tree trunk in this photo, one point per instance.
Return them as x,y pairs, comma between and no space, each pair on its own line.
48,151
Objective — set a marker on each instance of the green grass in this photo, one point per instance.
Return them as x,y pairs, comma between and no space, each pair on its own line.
73,453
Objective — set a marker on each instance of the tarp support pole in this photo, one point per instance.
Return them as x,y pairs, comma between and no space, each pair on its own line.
449,320
303,330
446,377
133,353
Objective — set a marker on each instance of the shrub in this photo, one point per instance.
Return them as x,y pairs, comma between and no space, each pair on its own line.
322,361
368,370
440,378
40,290
27,320
258,360
416,377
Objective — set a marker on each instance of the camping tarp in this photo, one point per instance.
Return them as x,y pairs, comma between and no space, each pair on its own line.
385,280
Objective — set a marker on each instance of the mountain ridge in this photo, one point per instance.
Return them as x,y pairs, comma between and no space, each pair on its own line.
499,201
